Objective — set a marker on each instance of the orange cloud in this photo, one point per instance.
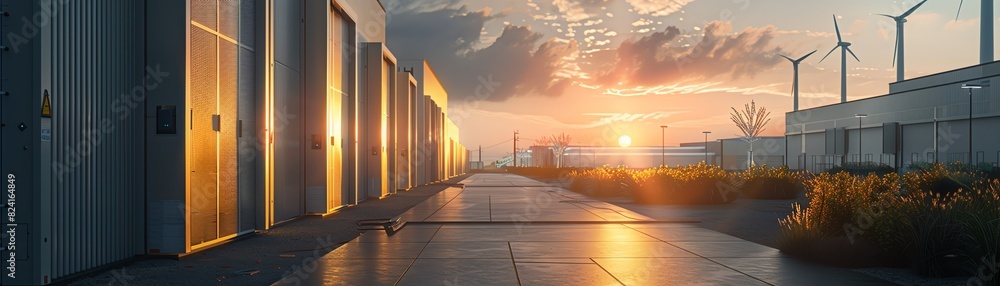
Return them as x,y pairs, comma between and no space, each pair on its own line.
664,58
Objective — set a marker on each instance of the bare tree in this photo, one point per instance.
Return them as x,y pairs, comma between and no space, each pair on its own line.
751,122
557,144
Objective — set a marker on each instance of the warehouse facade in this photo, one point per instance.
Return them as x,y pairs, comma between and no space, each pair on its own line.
166,127
926,119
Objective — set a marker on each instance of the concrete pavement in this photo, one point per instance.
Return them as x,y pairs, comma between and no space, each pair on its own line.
503,229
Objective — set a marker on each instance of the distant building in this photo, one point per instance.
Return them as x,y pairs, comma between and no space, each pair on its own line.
731,154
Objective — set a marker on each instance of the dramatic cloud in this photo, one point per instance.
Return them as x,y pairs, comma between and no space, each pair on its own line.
658,7
409,6
455,32
519,62
665,58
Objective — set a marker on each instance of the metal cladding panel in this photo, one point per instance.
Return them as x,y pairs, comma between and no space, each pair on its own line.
287,33
918,140
17,69
841,141
247,23
287,106
205,13
375,122
248,141
96,97
344,72
890,133
204,165
794,151
316,105
228,115
288,144
229,18
831,141
402,123
413,150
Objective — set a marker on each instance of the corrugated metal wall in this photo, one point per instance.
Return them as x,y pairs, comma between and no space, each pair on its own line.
97,95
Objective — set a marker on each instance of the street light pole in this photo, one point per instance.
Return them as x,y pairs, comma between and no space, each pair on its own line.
663,146
515,149
970,87
706,145
861,156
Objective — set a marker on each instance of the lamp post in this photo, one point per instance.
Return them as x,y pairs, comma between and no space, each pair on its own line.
970,87
663,146
706,145
515,149
861,156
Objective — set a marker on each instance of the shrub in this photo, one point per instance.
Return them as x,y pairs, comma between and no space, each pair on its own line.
693,184
941,179
837,198
842,207
987,170
863,169
772,183
949,234
655,185
603,182
936,233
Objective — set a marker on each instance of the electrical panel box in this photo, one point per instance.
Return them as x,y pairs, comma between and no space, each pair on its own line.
216,122
166,119
317,142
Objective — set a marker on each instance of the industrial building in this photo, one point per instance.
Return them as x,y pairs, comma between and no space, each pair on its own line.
926,119
946,117
136,128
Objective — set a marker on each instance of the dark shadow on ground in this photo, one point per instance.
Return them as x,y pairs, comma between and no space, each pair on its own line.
265,257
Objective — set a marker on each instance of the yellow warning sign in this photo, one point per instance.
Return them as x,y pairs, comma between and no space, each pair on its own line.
46,106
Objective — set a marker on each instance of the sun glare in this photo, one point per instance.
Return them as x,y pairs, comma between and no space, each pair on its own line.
624,141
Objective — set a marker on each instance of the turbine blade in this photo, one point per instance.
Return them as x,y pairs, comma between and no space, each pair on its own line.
852,53
836,26
828,54
959,10
806,56
790,59
887,15
908,12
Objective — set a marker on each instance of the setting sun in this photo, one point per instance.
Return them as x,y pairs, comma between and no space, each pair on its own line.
624,141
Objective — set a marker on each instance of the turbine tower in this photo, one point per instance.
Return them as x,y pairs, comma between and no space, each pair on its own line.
900,47
844,49
985,30
795,81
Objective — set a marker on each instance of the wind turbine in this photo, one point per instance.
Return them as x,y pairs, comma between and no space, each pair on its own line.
899,50
795,82
844,49
985,30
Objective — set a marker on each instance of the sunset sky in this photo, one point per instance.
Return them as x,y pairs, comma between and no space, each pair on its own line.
599,69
